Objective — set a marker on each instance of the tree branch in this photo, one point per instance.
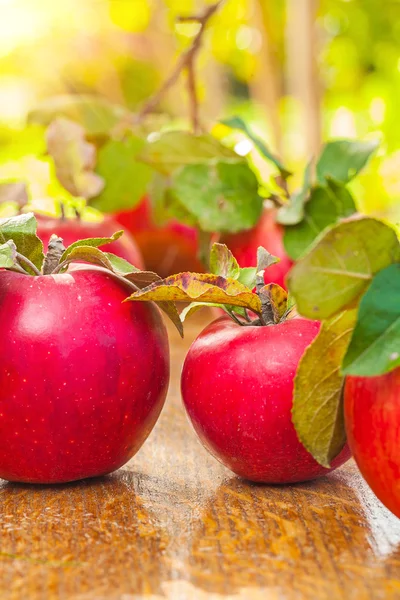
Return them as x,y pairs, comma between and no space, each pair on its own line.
186,61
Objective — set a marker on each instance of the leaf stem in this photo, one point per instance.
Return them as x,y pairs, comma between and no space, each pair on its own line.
18,269
120,278
235,318
28,263
246,315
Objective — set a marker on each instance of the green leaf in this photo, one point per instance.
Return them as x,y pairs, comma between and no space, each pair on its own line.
317,401
94,242
342,160
320,211
74,158
120,264
222,262
175,149
375,346
160,200
293,212
346,206
96,115
326,206
340,266
204,287
222,197
22,231
14,192
126,178
239,124
8,255
248,277
88,254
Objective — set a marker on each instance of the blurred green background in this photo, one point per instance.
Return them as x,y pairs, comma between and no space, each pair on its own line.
299,71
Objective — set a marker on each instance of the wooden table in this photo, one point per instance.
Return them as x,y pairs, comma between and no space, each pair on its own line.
175,524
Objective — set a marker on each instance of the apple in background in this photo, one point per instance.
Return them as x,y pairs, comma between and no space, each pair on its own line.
372,417
166,249
72,230
269,234
237,388
83,375
173,248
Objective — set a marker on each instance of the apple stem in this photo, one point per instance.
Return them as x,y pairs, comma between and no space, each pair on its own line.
55,251
28,263
259,286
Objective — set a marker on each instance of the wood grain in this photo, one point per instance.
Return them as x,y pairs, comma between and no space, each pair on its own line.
175,524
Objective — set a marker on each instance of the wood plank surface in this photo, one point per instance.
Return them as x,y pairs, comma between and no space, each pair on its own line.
176,524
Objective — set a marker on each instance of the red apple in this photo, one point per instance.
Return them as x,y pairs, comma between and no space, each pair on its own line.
72,230
269,234
167,249
237,387
372,416
83,375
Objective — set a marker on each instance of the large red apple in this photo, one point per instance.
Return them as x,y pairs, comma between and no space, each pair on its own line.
269,234
83,375
237,387
372,415
72,230
167,249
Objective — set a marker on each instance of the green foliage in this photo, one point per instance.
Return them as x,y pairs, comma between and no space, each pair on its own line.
342,160
356,257
375,345
207,288
238,123
94,242
293,211
8,255
317,402
176,149
95,114
126,178
317,206
221,197
223,263
340,266
325,206
22,231
74,158
206,184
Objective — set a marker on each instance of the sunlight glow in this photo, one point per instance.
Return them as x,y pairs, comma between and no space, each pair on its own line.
28,21
20,22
